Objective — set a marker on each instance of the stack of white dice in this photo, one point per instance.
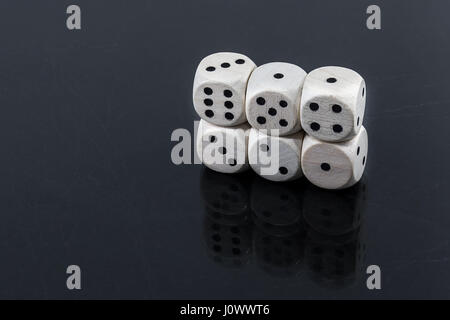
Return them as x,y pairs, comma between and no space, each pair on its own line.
279,100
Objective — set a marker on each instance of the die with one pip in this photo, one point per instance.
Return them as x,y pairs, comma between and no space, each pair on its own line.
335,165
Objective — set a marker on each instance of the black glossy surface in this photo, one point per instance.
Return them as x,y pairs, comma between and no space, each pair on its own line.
86,176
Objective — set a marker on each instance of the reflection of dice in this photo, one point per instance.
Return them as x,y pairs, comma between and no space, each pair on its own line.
275,158
333,103
334,262
273,97
333,212
278,239
279,205
228,244
335,165
226,194
279,256
219,88
223,149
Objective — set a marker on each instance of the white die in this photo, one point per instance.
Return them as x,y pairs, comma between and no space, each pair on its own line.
333,103
275,158
219,88
335,165
273,97
223,149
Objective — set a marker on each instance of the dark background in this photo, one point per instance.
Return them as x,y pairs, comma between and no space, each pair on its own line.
85,171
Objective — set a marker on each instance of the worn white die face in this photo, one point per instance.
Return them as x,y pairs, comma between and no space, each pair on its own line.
273,97
333,103
335,165
275,158
219,88
223,149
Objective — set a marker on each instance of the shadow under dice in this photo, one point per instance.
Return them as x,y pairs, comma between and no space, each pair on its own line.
335,165
273,97
223,149
219,88
275,158
333,103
